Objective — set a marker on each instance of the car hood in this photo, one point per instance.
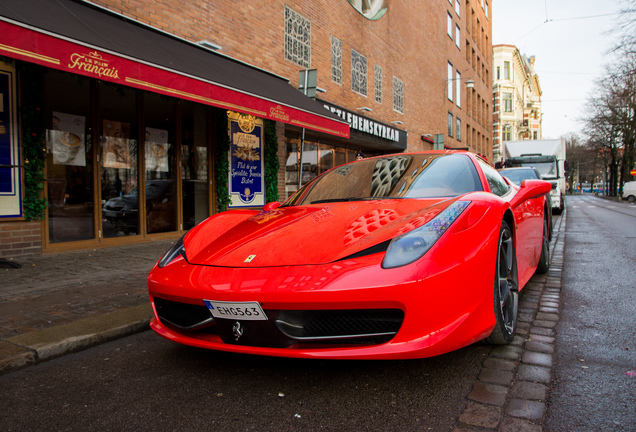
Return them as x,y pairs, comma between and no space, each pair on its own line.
302,235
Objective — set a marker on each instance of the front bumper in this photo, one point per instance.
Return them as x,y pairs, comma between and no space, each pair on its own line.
415,311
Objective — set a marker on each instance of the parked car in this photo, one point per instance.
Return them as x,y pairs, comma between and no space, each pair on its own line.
629,191
517,175
392,257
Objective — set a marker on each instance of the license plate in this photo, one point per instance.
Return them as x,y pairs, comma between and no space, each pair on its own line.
248,311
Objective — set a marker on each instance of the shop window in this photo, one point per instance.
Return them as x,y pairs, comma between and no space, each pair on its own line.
118,158
194,164
341,157
291,167
160,157
326,158
351,155
69,163
310,163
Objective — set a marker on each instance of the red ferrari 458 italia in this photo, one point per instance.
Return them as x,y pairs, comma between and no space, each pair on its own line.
392,257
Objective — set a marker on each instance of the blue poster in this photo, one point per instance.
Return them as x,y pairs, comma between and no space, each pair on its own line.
246,161
6,185
10,170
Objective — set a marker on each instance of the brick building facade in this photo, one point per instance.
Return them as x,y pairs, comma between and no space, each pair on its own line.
405,76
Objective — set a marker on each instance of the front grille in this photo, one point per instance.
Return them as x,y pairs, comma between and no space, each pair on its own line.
183,315
285,328
371,325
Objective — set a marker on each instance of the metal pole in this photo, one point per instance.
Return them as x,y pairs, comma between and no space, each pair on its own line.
302,141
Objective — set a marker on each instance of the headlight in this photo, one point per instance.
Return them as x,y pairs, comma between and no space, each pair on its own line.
411,246
176,250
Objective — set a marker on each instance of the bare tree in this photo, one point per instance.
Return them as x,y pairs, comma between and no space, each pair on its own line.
626,28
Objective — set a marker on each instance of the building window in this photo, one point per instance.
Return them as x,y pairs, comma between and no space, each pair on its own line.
498,72
378,84
458,129
507,97
450,124
336,60
458,89
449,25
507,70
358,73
457,8
457,37
449,79
297,38
486,9
507,133
398,95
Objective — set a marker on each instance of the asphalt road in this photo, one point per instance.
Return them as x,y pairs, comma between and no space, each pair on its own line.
596,343
144,382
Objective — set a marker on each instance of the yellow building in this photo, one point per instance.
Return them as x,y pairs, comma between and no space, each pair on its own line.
517,98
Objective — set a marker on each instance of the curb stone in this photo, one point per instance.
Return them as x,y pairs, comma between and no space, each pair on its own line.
512,388
34,347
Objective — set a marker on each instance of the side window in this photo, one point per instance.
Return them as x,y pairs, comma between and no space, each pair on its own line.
497,184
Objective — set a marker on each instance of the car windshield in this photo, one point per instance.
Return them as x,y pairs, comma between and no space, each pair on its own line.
518,175
548,170
397,176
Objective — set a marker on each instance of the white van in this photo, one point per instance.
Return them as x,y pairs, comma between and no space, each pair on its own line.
629,191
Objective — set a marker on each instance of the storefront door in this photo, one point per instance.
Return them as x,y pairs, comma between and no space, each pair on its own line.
138,141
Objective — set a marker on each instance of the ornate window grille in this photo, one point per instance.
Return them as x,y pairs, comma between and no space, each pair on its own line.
398,95
378,84
336,60
358,73
297,38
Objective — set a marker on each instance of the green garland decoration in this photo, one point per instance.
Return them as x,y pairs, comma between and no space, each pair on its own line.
221,160
271,162
33,143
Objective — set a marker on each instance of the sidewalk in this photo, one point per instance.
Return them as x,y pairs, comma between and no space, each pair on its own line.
69,301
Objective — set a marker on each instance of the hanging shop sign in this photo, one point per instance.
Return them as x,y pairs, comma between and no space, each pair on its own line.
246,161
10,170
395,137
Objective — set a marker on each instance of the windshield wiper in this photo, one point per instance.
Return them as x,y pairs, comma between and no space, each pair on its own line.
330,200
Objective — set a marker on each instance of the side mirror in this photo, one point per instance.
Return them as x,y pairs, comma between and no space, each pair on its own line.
531,189
271,206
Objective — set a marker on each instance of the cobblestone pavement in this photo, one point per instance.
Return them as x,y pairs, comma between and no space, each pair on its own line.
512,389
57,289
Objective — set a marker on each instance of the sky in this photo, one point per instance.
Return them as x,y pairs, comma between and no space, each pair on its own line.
570,40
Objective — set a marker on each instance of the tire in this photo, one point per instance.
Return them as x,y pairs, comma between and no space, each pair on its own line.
631,198
506,290
544,260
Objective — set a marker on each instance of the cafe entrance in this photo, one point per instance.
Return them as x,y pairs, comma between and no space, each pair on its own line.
105,143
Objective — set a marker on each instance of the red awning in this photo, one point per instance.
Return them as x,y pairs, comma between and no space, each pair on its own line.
84,39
